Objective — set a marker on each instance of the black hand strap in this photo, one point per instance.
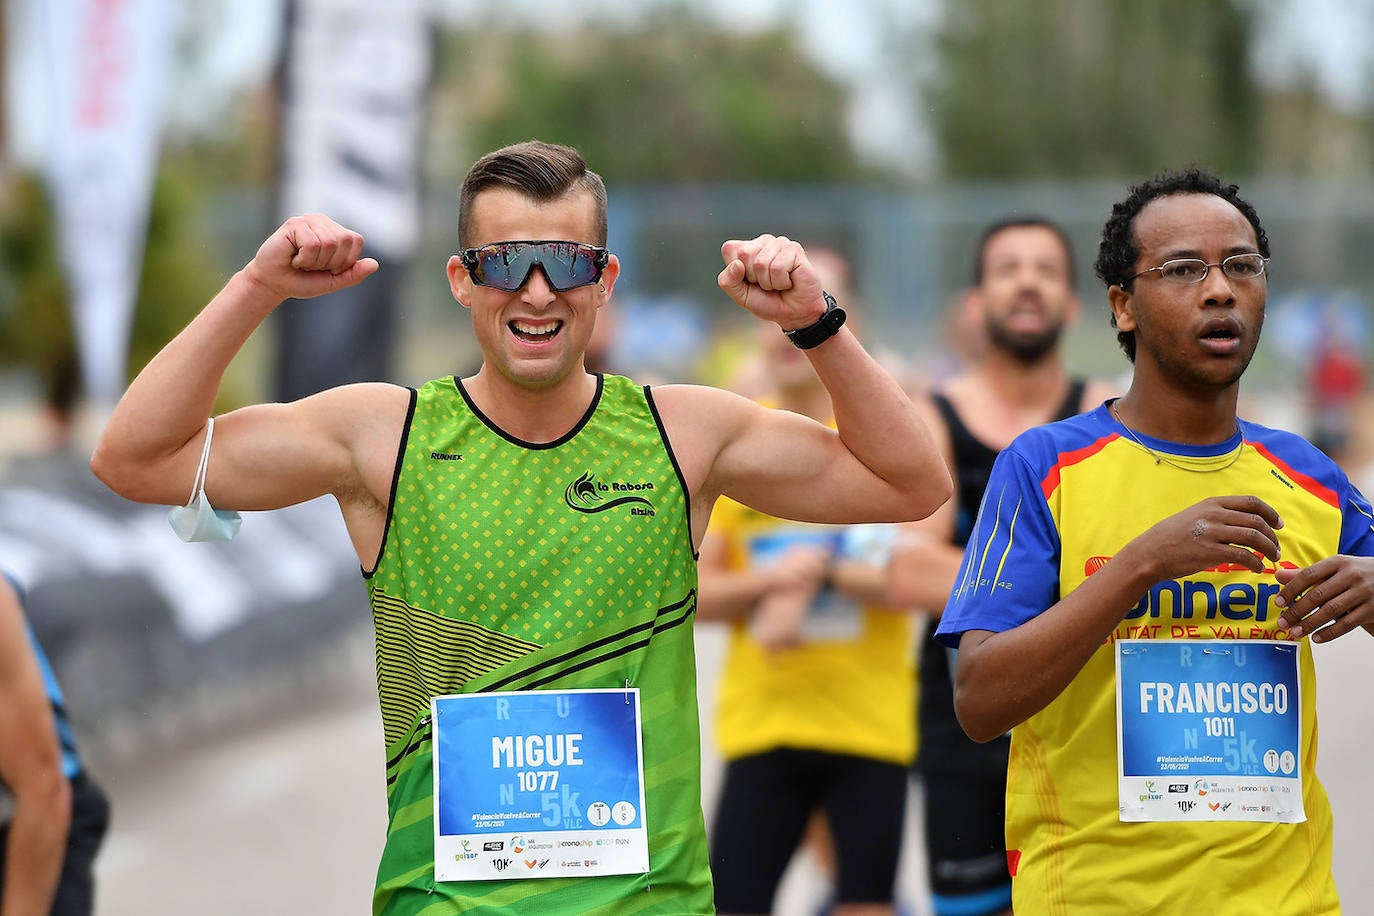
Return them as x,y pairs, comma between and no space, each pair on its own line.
822,329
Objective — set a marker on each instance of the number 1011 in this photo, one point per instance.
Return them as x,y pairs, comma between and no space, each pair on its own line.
1219,727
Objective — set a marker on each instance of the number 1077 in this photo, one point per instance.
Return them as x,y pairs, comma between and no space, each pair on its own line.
537,780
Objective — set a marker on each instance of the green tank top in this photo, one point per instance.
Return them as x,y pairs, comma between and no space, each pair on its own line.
508,565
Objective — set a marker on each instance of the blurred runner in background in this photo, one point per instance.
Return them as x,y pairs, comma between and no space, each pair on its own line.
53,815
816,702
1023,298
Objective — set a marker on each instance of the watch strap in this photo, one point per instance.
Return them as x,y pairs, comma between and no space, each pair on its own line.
822,329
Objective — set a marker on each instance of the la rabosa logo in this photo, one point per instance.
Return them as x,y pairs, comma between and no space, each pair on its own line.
590,496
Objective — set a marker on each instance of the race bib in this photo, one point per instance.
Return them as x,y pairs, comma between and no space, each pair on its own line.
538,784
831,616
1209,730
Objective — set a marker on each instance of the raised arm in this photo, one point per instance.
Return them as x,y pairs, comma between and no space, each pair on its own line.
880,464
31,769
264,456
1004,678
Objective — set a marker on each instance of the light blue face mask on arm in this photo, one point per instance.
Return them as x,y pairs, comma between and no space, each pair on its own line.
198,520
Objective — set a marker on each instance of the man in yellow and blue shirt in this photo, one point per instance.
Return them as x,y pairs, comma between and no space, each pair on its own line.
1133,601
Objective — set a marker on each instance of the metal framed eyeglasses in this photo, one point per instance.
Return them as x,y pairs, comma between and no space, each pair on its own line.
1194,270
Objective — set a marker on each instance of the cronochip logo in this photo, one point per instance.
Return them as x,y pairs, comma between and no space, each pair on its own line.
589,495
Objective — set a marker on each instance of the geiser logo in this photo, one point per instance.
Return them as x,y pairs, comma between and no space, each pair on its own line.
1187,599
589,495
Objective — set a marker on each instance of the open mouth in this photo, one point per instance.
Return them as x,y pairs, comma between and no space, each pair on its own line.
535,333
1221,336
1026,321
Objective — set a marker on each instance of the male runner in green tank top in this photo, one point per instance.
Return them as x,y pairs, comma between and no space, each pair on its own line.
529,533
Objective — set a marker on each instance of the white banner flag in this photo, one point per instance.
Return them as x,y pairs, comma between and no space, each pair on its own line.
357,77
106,65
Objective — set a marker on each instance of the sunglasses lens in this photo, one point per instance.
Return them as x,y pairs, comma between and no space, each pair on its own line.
501,267
567,265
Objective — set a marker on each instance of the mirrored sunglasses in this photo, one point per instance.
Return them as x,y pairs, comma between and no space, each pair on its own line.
506,265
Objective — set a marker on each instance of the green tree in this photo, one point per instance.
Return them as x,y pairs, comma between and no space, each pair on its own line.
1093,87
178,277
673,99
35,326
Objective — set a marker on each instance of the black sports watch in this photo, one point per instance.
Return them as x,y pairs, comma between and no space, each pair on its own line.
822,329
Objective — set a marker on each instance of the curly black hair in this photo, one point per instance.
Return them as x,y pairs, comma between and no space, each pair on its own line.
1117,253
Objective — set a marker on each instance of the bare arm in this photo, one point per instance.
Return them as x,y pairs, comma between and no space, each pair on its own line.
922,571
31,768
1004,678
730,594
774,598
926,562
862,581
266,456
151,444
878,465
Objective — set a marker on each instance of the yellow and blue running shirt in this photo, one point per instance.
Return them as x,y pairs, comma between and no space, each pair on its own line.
1063,499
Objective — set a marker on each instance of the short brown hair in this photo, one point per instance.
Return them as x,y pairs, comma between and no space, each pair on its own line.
541,171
